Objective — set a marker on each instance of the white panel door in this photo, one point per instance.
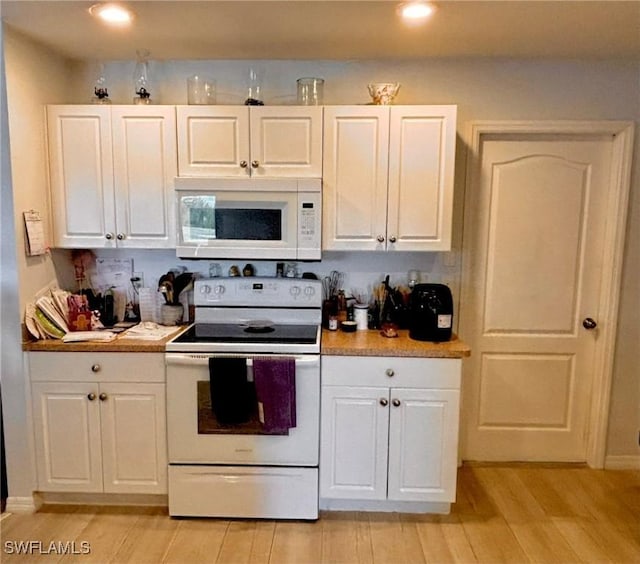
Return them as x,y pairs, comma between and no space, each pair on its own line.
134,438
353,442
356,152
213,141
66,421
421,166
81,176
286,141
145,165
533,240
423,444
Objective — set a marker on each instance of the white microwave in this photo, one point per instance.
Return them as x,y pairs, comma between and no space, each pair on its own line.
258,218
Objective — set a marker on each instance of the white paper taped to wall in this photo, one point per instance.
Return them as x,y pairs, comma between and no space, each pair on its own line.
35,233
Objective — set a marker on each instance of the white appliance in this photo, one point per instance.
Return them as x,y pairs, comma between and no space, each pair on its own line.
235,472
260,218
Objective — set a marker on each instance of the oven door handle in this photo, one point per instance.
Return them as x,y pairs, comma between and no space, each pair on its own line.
174,359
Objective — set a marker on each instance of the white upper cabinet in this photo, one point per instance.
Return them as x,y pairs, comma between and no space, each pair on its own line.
111,175
242,141
388,177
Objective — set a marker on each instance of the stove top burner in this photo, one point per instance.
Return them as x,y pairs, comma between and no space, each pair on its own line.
235,333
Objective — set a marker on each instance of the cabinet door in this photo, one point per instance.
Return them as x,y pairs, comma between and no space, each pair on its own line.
286,141
356,146
145,165
213,141
81,176
421,167
423,444
67,436
134,450
353,442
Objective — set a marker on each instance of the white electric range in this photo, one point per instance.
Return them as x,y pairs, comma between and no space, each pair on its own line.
236,470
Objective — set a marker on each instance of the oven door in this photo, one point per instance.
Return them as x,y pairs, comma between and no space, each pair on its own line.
187,445
237,224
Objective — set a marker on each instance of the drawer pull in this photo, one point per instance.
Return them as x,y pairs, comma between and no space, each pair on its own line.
103,396
395,402
389,372
384,402
91,396
96,368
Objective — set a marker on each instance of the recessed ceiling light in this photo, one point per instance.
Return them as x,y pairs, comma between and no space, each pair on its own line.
414,11
114,14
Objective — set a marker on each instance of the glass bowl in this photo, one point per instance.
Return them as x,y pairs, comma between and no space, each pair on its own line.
383,93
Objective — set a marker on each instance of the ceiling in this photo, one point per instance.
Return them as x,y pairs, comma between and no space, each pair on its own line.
335,30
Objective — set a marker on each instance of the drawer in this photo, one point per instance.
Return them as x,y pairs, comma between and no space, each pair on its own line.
96,367
396,372
243,492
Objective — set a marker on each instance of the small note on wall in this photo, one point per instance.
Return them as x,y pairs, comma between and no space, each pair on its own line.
34,233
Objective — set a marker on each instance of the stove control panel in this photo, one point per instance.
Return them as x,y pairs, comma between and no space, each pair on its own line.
258,292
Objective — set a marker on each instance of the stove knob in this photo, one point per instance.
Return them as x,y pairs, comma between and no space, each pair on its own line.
219,289
205,289
295,290
309,291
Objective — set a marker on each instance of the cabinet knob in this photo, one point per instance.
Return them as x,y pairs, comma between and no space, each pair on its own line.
380,238
91,396
103,397
392,239
395,402
109,236
96,368
389,372
384,402
120,236
243,164
589,323
255,164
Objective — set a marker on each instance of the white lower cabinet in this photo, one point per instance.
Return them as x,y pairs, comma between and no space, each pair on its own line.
105,434
389,432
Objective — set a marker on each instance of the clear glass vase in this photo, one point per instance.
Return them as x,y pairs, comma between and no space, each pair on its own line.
141,82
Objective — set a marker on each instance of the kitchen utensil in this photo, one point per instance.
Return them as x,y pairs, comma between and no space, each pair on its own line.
383,93
181,282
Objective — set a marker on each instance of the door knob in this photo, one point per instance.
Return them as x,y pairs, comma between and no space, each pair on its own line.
95,368
389,372
396,402
384,402
91,396
120,236
392,239
243,164
589,323
380,239
103,396
255,164
109,236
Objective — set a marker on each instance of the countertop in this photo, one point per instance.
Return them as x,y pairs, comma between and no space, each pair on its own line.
336,343
118,345
372,343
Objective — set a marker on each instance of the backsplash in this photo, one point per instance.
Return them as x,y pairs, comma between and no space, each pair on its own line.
362,270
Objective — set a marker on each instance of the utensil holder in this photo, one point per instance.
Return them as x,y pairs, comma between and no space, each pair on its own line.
171,314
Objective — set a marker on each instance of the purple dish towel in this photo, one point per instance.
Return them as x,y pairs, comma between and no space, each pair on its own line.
275,381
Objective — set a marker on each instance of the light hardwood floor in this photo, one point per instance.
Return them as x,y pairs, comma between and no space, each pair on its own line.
504,513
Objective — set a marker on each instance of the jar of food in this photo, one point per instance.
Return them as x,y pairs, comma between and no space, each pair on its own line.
361,316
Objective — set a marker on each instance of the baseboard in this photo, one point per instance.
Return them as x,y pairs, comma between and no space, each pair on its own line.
66,498
442,508
22,505
622,462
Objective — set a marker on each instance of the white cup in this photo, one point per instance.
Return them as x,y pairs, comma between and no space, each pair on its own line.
201,90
